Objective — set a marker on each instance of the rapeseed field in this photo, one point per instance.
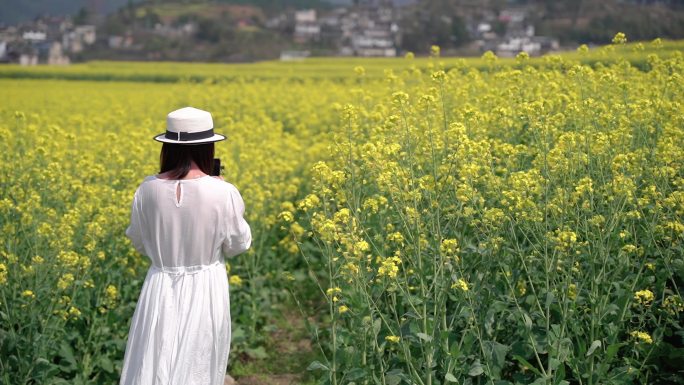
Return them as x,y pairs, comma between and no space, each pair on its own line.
511,222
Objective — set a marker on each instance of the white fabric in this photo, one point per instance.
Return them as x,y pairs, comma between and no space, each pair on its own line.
180,331
189,119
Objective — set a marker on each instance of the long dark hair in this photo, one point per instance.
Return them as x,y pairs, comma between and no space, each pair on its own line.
177,158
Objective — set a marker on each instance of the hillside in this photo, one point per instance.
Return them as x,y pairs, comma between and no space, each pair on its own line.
18,11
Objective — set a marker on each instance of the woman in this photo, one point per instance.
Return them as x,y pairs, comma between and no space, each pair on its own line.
186,222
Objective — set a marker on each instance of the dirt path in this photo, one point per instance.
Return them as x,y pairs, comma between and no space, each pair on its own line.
291,353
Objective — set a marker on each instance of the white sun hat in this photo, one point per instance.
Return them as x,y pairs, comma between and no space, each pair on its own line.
189,125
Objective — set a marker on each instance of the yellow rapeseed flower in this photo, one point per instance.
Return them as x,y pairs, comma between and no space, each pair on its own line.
65,281
396,237
3,273
449,247
74,312
521,286
392,338
288,276
28,294
311,201
286,216
297,230
644,297
235,280
620,38
68,258
333,290
111,293
673,304
389,267
351,268
572,291
460,284
642,337
343,309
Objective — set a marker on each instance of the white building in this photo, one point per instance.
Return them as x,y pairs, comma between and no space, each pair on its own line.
56,55
76,39
307,27
34,36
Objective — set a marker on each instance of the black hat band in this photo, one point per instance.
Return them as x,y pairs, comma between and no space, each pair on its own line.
189,136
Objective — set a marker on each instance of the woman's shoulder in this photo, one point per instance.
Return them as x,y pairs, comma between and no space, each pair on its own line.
222,185
216,184
147,180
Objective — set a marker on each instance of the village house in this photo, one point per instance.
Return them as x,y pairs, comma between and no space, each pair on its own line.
46,40
307,27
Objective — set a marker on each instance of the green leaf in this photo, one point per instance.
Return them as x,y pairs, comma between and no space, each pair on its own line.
392,379
424,337
377,325
106,364
496,352
527,320
42,361
527,365
611,351
257,353
317,366
238,334
355,374
67,353
550,299
475,369
450,378
59,381
554,363
455,350
594,345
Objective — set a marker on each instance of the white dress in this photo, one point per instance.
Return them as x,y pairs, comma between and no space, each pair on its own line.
180,331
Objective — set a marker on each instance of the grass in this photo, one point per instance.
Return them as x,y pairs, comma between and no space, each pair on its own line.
289,351
312,69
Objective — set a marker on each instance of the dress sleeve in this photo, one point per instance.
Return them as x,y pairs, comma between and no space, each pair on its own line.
134,231
238,234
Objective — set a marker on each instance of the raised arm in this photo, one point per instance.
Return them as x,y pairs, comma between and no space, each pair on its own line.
238,234
134,231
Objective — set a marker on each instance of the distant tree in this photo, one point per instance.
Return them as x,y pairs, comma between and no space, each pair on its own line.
150,18
433,22
185,18
499,27
214,31
82,16
115,25
459,31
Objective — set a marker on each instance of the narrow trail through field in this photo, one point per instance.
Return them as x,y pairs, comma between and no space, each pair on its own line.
290,352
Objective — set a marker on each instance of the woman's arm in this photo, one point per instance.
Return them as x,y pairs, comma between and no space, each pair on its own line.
134,230
238,233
